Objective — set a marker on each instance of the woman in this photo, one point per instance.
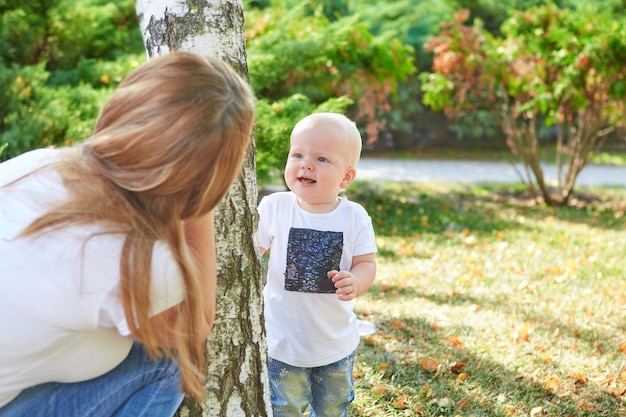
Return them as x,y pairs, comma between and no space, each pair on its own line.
107,279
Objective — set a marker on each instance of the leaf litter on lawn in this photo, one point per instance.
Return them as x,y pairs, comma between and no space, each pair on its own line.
490,306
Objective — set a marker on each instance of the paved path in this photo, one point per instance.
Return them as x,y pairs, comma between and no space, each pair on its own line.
476,171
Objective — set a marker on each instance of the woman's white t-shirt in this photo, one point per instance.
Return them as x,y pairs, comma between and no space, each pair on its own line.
306,324
61,316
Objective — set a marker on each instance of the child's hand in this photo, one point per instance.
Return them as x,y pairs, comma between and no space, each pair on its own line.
345,283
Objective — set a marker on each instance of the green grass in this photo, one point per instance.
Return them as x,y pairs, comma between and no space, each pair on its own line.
608,158
488,305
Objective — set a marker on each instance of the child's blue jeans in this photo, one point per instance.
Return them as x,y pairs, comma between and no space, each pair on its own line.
328,389
137,387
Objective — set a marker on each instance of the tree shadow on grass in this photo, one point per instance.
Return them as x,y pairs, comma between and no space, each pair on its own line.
503,304
595,339
428,365
585,207
399,212
446,381
405,210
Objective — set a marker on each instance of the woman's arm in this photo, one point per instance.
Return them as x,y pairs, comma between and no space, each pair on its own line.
200,236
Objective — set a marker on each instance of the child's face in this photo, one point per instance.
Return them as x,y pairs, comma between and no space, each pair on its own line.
317,167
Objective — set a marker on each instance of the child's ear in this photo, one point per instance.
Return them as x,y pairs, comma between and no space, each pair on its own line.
348,178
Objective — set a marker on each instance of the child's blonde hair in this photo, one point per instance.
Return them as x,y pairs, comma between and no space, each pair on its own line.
345,127
166,147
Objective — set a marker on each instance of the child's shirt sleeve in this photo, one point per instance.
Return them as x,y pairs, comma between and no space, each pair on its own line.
263,229
366,241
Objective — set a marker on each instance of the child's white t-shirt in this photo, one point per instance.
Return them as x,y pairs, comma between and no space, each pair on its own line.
306,324
61,316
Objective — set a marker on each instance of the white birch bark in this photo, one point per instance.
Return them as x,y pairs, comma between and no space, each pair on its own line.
237,382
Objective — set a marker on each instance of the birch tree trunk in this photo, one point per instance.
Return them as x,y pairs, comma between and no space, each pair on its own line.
237,382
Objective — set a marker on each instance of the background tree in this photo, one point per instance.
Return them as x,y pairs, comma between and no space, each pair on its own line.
294,45
61,59
302,60
237,382
559,67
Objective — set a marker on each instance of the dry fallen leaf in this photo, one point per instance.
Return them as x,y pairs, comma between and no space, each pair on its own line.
522,335
551,382
580,378
430,364
456,367
546,358
462,404
455,341
400,402
397,324
605,379
462,377
584,405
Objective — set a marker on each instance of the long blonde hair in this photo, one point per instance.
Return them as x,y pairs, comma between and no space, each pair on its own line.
166,147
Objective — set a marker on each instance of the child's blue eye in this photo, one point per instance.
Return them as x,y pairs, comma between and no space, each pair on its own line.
322,159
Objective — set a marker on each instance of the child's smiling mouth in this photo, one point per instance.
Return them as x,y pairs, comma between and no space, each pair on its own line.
306,180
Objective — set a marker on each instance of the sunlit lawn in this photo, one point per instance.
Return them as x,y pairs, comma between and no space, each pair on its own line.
486,305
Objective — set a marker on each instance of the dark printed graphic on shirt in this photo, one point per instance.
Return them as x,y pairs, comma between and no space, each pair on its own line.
310,255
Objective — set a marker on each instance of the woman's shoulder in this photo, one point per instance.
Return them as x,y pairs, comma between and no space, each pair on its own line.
22,165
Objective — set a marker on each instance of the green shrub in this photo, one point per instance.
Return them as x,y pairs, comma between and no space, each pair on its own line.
39,110
301,59
59,63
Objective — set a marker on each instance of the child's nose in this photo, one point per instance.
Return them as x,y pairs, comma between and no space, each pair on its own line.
306,164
